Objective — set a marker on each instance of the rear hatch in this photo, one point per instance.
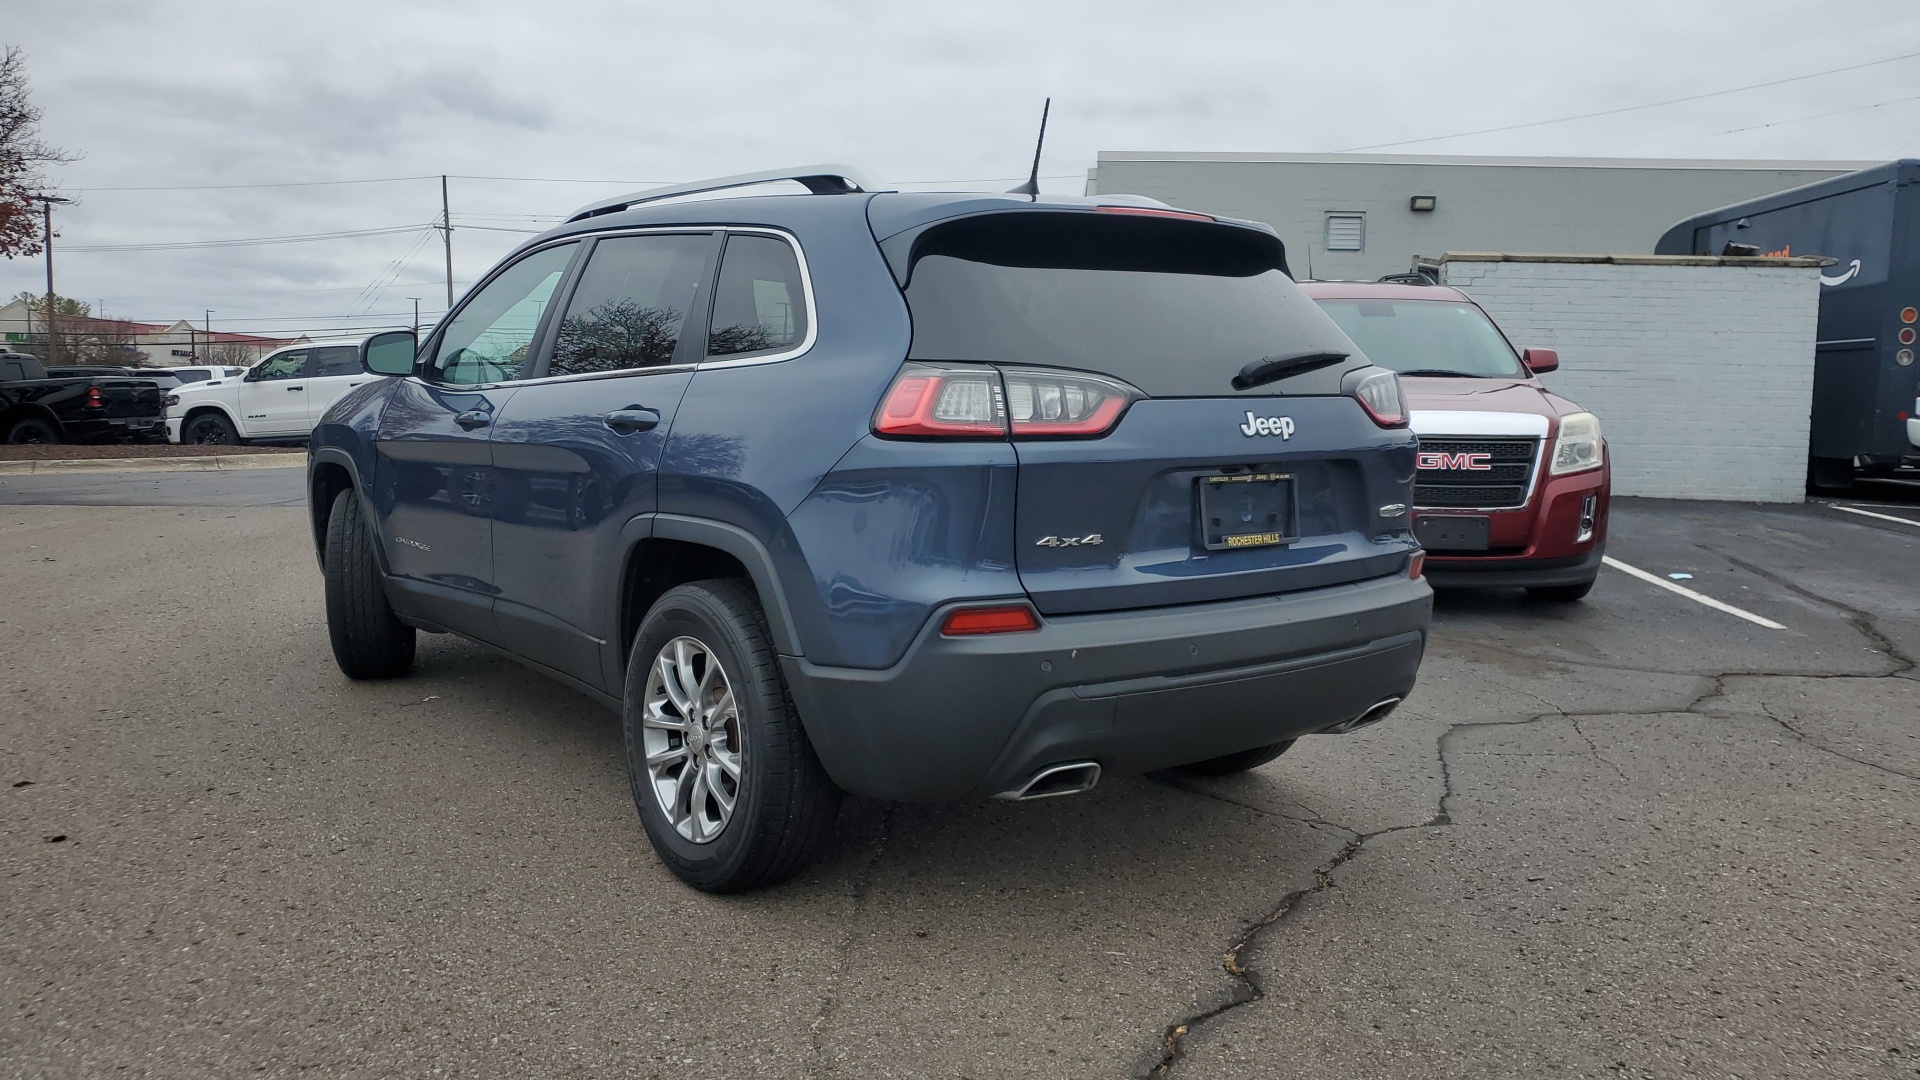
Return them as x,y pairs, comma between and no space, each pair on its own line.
1189,488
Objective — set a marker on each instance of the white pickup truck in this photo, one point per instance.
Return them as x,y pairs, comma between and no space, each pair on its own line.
281,397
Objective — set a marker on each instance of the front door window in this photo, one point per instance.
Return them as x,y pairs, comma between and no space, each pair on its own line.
491,339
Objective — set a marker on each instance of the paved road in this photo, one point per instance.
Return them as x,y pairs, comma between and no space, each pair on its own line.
1631,837
247,487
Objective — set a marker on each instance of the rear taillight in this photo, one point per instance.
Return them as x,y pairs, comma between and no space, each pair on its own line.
94,400
1379,394
999,619
943,402
1058,404
963,401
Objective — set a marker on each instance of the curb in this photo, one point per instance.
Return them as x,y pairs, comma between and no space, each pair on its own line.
227,463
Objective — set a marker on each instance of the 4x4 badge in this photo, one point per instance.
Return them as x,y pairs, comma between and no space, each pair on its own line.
1089,540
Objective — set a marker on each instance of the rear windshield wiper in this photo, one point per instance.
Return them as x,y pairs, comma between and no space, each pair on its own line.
1268,368
1441,373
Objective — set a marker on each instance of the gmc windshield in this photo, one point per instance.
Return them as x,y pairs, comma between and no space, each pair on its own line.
1426,337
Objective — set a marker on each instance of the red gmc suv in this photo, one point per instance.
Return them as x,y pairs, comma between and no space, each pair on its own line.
1513,481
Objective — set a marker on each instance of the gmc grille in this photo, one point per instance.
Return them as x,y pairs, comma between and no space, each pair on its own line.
1503,486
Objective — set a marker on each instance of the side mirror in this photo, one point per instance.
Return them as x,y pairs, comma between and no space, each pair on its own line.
389,353
1541,361
252,375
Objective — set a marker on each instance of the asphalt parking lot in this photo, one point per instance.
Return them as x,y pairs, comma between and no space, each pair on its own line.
1636,836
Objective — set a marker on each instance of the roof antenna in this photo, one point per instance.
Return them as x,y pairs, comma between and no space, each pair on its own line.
1032,187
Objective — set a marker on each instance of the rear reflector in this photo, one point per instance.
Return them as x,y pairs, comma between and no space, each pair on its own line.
1417,565
1005,619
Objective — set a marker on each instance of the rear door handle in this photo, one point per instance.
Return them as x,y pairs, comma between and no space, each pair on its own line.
627,421
291,389
474,418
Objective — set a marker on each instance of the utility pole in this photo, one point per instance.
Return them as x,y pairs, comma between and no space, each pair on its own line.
209,320
416,316
446,233
46,216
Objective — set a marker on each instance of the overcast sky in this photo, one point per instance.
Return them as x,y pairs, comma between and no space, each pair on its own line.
177,93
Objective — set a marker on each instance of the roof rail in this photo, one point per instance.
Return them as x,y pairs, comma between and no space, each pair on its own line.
819,179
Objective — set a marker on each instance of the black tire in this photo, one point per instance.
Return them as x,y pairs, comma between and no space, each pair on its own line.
368,641
1561,594
1228,764
209,429
784,804
32,429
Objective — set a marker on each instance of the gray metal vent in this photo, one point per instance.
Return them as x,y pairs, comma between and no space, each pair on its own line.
1346,232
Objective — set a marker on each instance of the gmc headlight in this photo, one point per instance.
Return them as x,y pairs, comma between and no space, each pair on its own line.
1578,447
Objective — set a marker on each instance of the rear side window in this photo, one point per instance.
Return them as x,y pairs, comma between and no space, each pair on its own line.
336,360
187,375
1432,337
1176,308
759,305
631,304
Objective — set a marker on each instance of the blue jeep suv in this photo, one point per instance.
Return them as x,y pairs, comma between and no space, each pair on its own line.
914,496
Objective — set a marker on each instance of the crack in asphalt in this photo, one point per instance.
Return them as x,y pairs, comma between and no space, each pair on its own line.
817,1032
1247,984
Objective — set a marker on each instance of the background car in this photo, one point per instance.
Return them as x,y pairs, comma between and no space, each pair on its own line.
280,398
1513,480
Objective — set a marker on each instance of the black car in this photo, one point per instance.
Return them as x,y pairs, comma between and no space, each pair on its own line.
917,496
36,407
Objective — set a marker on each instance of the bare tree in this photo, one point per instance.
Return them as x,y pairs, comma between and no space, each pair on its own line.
23,159
229,354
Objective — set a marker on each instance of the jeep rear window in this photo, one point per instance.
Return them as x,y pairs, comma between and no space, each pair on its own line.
1174,307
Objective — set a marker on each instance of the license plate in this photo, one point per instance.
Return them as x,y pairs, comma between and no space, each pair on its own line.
1448,532
1243,510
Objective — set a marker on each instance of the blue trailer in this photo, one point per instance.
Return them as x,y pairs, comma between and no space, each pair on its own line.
1866,390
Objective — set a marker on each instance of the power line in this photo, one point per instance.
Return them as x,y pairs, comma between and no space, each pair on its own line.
1773,123
1635,108
175,245
269,184
522,179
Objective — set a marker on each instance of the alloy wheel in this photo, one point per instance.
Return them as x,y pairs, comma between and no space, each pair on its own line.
692,737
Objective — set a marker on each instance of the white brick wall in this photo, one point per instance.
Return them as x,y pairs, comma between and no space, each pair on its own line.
1702,376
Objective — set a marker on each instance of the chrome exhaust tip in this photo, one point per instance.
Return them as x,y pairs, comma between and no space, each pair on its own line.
1375,713
1073,778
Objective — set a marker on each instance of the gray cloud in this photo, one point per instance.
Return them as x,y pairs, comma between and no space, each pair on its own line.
180,92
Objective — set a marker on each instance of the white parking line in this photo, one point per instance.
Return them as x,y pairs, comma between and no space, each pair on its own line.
1871,514
1653,579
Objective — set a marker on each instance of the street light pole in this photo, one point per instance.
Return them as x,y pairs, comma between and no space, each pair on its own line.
208,317
46,217
446,233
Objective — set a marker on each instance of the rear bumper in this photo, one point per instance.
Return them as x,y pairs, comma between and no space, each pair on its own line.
110,429
1133,691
